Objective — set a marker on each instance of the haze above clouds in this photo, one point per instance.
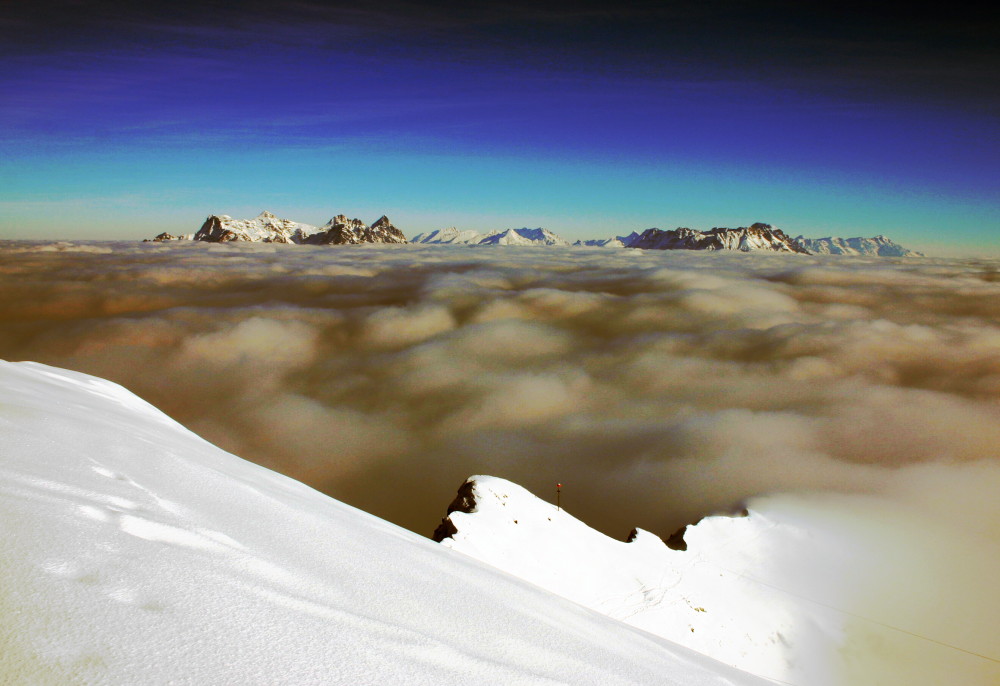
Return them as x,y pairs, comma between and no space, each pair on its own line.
658,387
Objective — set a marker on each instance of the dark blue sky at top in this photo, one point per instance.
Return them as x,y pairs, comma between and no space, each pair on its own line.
586,118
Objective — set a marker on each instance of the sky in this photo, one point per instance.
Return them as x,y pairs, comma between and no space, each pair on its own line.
591,119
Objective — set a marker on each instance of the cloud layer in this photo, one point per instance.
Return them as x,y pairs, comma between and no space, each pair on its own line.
658,387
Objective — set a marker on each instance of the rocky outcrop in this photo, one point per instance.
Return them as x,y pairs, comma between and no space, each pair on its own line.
161,238
465,502
753,238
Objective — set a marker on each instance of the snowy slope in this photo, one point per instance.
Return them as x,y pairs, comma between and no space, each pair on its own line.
616,242
789,592
134,552
449,236
880,246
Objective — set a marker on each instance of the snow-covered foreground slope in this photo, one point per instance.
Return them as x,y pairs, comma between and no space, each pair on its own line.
133,552
830,590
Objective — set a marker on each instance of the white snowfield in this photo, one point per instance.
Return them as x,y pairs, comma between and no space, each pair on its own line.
134,552
810,592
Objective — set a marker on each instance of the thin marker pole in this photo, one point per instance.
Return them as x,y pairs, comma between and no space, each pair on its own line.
558,491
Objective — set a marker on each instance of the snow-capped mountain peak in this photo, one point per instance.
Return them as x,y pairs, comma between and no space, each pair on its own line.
449,236
264,228
753,238
880,246
523,236
268,228
615,242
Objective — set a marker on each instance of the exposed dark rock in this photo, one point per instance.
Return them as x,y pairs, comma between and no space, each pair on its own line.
465,501
165,237
446,529
676,540
214,231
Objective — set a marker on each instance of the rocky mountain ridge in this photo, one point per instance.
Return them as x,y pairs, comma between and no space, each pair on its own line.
268,228
876,246
753,238
342,230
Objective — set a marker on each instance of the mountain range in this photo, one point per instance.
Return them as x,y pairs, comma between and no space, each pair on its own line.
341,230
267,228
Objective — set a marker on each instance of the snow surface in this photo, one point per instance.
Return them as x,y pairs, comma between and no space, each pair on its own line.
135,552
788,592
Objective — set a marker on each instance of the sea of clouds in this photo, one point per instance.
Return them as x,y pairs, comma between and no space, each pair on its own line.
656,386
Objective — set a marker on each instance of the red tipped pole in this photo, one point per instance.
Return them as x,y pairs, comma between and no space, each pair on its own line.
558,491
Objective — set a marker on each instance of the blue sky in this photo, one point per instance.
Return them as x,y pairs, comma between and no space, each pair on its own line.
587,120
